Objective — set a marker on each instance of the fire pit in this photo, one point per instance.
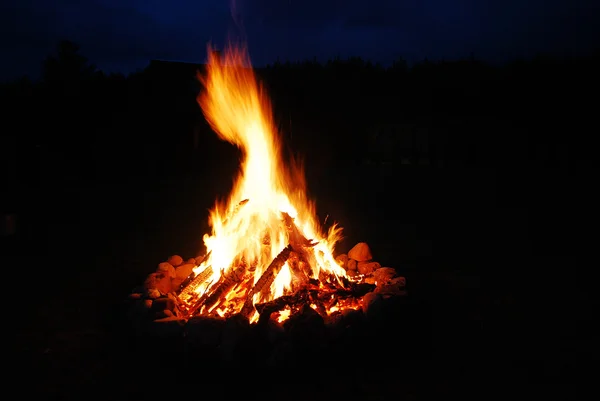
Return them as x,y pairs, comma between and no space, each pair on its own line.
268,262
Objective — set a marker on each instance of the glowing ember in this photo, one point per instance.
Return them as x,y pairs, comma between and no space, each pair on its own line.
266,242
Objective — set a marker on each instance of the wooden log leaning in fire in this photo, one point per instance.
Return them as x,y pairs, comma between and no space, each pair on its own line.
229,280
194,276
189,291
265,281
215,291
188,286
296,239
198,301
302,257
299,270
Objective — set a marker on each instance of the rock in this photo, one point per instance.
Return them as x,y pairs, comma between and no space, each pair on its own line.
335,324
307,330
367,299
167,269
150,282
342,260
184,271
163,283
361,252
163,303
174,299
139,309
140,289
372,305
167,313
352,273
151,285
176,283
367,267
199,259
175,260
352,317
181,322
352,265
203,332
169,327
235,330
334,319
370,280
394,286
135,295
399,281
384,274
191,261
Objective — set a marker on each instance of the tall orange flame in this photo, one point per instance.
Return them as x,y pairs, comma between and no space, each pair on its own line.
239,111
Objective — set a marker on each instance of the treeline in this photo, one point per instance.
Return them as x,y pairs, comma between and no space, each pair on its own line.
78,123
537,111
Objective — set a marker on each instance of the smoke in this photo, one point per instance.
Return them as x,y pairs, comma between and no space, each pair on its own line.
236,8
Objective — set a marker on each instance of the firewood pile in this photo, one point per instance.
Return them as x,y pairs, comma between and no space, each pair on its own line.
156,307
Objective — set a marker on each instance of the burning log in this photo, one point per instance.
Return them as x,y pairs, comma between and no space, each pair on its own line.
278,304
322,299
296,239
188,290
300,271
197,301
206,273
227,282
300,259
266,279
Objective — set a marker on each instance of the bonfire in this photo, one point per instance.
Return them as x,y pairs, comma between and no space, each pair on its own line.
267,256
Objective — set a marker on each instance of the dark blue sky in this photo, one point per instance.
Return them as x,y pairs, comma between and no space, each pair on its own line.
122,35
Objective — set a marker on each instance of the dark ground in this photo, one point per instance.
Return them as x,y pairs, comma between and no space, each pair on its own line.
488,255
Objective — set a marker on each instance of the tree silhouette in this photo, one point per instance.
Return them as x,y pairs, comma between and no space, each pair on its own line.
67,65
470,112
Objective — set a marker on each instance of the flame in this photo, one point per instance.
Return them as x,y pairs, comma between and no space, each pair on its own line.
247,228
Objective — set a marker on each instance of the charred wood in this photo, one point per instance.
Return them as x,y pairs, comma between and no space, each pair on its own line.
267,278
195,303
228,281
216,291
189,290
296,239
360,289
191,277
299,270
278,304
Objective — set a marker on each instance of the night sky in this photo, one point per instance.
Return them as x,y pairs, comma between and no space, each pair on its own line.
123,35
